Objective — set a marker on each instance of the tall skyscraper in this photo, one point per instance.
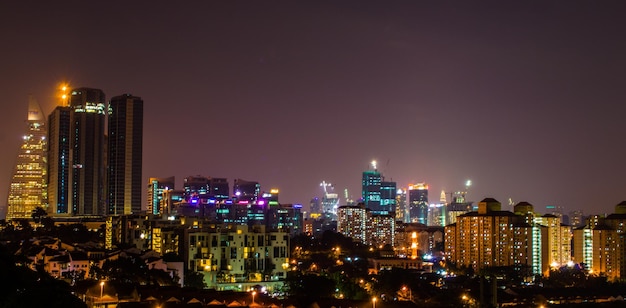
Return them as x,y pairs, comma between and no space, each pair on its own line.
156,194
379,196
28,184
418,203
125,154
387,198
370,188
88,148
60,161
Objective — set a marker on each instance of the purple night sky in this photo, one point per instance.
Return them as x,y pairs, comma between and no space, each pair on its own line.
526,99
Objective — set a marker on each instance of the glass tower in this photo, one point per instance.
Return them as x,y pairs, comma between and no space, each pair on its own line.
88,150
59,161
418,203
125,154
28,184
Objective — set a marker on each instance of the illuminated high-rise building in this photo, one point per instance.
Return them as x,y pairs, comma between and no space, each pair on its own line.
379,196
352,222
402,210
125,146
195,186
329,202
156,194
88,150
418,203
60,161
28,184
492,237
370,192
388,192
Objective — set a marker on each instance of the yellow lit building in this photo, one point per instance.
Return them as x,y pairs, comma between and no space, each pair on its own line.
28,184
229,256
351,222
491,237
600,244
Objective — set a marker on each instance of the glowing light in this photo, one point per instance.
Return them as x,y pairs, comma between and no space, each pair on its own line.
374,164
273,191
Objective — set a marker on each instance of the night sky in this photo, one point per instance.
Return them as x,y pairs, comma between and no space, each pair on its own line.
526,98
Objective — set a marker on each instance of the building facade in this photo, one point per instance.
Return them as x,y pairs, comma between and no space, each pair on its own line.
28,188
125,150
88,150
156,202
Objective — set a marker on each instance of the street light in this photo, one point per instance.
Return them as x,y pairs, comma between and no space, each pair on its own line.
373,302
101,289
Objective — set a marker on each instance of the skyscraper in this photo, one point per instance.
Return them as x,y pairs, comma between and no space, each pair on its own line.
156,193
125,154
387,197
88,150
370,191
379,196
60,161
28,184
418,203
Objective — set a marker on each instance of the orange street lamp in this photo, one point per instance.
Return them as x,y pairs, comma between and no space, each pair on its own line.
101,289
373,302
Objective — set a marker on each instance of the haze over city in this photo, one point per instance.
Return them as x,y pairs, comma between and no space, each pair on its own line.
526,100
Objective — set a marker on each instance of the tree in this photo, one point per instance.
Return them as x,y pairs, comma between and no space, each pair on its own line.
194,280
38,214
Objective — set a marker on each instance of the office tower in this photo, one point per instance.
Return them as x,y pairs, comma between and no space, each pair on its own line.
330,201
370,192
387,198
28,184
402,210
60,161
352,222
125,154
437,215
88,150
246,190
418,203
492,237
284,217
219,189
458,206
195,186
316,207
156,194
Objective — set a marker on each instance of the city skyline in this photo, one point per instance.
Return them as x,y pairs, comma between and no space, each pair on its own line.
524,100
